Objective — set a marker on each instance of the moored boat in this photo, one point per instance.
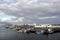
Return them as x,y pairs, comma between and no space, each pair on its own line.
20,31
27,31
40,32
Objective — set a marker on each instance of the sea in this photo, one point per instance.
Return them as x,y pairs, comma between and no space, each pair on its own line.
9,34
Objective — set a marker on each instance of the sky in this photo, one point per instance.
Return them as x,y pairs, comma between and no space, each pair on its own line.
30,11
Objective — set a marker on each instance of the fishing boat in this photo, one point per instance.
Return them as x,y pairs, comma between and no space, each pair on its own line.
49,31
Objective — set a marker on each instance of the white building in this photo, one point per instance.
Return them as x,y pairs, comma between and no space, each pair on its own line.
48,25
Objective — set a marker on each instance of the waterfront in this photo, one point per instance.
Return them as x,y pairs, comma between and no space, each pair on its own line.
9,34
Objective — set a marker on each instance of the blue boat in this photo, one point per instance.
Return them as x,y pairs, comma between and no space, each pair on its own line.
40,32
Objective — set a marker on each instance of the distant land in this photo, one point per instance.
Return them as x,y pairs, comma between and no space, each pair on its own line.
5,24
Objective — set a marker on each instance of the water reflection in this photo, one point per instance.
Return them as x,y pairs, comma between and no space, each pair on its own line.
9,34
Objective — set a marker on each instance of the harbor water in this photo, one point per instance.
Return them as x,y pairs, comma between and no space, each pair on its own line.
9,34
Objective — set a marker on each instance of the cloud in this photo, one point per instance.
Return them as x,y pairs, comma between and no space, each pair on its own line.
52,17
7,1
2,13
11,19
34,10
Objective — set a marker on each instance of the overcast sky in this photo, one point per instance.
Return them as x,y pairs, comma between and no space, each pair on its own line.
30,11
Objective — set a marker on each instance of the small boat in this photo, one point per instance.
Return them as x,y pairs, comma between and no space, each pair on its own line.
50,31
6,27
40,32
32,31
27,31
17,29
20,31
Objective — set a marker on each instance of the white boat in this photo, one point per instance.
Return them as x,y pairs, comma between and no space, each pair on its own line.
40,32
25,31
50,30
20,31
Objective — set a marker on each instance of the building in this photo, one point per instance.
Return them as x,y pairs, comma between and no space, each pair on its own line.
48,25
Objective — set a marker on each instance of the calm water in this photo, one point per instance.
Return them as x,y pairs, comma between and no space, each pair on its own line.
9,34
